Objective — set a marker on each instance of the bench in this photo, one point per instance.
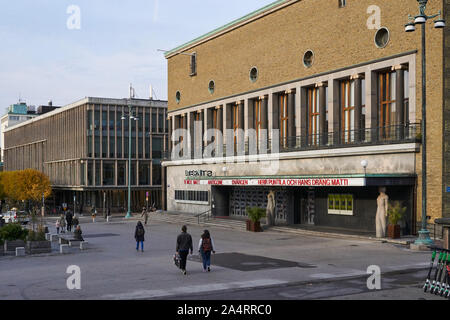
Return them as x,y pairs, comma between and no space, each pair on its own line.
64,249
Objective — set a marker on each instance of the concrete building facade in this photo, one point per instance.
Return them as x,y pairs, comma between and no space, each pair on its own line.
83,148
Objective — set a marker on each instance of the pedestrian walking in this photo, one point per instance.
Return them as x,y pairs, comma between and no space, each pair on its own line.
62,223
139,236
75,222
184,245
205,247
69,220
77,234
108,214
145,215
94,214
57,225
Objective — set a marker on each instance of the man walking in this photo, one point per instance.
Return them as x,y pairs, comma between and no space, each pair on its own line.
184,245
69,220
145,215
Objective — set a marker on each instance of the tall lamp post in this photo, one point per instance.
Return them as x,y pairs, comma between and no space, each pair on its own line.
421,19
130,117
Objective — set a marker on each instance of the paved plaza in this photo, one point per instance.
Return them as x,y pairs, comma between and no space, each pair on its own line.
268,265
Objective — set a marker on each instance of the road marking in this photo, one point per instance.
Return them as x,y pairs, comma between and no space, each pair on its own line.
147,294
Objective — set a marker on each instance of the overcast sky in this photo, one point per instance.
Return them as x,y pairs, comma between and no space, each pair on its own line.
41,58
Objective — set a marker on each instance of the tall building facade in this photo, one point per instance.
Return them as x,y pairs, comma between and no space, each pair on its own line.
84,149
318,101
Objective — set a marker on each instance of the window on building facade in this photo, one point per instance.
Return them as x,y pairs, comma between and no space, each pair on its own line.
156,173
90,173
82,174
144,173
108,173
313,115
98,180
283,112
154,122
157,146
140,135
133,173
161,121
193,65
235,124
112,133
257,123
340,204
119,132
89,133
121,173
342,3
193,196
348,110
254,74
387,95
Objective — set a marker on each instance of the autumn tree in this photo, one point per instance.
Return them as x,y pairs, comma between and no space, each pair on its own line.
26,185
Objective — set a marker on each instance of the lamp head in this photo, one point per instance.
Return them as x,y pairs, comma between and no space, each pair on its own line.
364,164
439,24
410,27
420,19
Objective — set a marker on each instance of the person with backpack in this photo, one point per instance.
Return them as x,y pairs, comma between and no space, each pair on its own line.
62,223
69,220
184,244
205,246
139,236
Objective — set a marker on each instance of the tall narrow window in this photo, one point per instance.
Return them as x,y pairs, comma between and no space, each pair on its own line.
387,95
257,118
283,103
313,116
235,124
348,110
193,64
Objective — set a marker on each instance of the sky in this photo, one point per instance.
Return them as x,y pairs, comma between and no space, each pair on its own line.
65,50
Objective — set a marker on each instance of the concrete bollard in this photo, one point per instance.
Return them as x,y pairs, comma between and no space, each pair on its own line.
54,237
64,248
48,236
84,245
74,243
20,252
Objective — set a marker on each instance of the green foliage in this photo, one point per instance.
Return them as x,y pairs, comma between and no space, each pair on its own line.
13,231
255,214
395,212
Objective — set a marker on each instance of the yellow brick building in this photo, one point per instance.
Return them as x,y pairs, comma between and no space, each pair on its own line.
341,83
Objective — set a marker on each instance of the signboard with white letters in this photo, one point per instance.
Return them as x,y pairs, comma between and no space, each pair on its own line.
319,182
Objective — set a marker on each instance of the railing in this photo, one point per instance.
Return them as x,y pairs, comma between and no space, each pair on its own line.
347,138
206,215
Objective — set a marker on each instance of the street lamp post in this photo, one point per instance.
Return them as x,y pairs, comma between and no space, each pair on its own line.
424,234
130,117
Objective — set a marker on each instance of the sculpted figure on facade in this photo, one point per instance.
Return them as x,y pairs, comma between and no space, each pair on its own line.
270,212
382,209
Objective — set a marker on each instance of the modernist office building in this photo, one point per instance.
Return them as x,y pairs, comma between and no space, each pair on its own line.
83,148
340,94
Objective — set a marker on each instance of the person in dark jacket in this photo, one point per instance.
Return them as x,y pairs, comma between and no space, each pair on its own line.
77,234
139,236
205,246
184,245
69,220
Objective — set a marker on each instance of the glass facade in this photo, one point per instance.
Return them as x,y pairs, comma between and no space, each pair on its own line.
108,139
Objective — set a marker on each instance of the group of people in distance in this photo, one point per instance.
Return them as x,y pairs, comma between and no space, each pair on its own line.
184,246
66,222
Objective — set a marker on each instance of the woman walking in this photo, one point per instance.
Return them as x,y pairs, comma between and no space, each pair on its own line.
205,246
139,236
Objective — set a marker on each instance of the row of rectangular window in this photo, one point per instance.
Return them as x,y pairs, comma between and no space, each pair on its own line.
190,195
